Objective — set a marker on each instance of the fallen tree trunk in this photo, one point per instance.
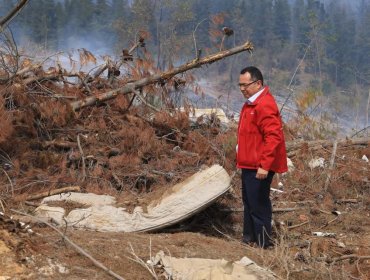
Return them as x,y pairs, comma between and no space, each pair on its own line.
131,87
293,147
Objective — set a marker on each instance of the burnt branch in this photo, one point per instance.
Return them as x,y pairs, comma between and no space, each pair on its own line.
128,88
12,14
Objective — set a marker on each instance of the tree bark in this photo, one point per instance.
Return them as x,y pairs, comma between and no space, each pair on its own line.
130,87
5,20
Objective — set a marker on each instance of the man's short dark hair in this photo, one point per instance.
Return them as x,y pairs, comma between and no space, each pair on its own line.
254,72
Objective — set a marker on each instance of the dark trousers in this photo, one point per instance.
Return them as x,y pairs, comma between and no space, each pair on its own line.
257,207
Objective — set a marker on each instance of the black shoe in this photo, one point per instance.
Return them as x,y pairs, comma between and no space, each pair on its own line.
268,245
248,240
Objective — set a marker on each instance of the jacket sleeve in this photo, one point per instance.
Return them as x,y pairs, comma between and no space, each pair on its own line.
270,126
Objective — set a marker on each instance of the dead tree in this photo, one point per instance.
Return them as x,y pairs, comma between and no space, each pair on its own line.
161,77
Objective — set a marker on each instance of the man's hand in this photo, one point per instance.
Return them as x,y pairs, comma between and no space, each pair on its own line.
261,173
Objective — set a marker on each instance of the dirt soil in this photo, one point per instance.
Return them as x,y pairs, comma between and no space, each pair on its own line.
216,233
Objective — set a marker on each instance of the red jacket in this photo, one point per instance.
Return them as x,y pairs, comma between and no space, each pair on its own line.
261,140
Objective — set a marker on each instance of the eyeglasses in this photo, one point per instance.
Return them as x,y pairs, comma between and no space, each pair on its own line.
247,85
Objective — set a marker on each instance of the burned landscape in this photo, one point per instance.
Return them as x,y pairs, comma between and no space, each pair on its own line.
125,128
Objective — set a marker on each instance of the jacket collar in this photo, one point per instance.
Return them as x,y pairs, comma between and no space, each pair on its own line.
265,91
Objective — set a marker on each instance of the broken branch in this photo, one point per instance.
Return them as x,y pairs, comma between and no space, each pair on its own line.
332,159
299,225
74,245
347,200
10,181
142,99
277,210
328,223
128,88
82,158
53,192
105,66
5,20
138,260
59,144
346,257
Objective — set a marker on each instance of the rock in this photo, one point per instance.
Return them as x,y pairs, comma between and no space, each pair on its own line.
364,158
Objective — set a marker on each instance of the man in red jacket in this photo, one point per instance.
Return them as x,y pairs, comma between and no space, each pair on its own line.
260,154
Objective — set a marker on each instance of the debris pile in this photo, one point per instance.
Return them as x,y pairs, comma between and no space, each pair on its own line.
134,143
61,129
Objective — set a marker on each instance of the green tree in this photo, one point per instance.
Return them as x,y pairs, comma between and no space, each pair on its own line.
242,20
39,22
143,17
281,20
298,19
201,13
261,25
101,22
363,42
175,26
120,13
340,40
80,17
60,21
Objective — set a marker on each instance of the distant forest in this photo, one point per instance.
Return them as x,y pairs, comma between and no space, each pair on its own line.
333,38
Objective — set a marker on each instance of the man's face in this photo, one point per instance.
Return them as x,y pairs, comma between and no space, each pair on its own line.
248,86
